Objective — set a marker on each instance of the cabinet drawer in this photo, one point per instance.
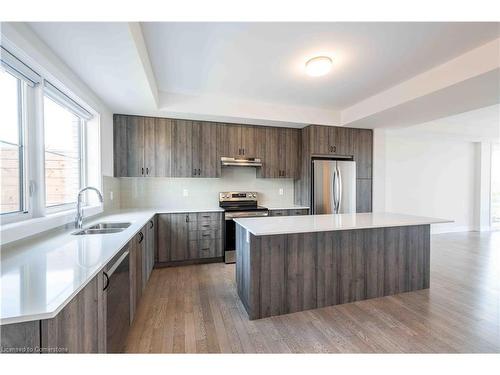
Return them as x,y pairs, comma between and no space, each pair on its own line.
278,212
204,225
209,216
298,212
210,234
205,248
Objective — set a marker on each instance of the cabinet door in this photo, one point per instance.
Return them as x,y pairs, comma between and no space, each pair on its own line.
292,153
204,152
363,195
149,146
150,246
163,252
341,141
229,140
162,139
77,326
136,282
247,141
363,150
182,165
179,237
278,212
319,142
270,159
128,146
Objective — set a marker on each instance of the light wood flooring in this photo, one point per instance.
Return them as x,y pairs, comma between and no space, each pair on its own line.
195,309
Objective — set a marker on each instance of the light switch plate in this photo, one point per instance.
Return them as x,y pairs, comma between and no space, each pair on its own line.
185,193
281,192
110,195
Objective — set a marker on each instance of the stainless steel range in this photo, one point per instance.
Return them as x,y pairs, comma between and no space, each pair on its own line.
237,204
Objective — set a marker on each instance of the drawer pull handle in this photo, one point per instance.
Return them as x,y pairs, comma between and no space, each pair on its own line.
206,225
205,235
206,248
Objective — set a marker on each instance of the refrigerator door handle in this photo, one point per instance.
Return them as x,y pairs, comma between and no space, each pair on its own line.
339,189
334,191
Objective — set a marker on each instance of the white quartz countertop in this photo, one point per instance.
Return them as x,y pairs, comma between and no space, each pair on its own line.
40,275
265,226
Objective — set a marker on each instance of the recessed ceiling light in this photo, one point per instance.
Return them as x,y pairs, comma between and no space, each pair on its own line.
318,66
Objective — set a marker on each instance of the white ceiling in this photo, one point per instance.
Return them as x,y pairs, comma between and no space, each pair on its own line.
253,72
104,56
265,61
479,125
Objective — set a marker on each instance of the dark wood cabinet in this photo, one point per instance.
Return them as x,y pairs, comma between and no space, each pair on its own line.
148,256
237,140
137,249
331,140
281,153
336,141
78,326
183,237
289,212
363,150
204,150
363,195
142,146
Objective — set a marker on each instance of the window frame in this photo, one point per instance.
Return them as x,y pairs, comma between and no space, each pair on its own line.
35,81
24,210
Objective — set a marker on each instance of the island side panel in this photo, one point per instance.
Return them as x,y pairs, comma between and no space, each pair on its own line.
295,272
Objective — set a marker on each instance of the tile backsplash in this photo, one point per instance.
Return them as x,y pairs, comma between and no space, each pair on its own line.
144,192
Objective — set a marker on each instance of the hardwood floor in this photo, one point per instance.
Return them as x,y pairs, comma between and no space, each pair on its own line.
195,309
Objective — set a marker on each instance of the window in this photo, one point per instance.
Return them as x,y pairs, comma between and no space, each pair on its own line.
63,154
43,159
11,145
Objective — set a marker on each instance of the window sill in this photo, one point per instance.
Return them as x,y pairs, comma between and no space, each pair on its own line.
26,228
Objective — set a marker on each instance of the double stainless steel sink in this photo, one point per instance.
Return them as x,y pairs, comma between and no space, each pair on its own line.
103,228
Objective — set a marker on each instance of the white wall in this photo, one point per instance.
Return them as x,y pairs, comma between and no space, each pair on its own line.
428,176
202,192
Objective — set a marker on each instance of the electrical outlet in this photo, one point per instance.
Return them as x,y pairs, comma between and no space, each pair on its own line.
110,195
281,192
185,193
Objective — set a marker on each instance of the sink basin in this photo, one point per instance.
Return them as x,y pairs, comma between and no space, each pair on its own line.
103,228
109,225
98,231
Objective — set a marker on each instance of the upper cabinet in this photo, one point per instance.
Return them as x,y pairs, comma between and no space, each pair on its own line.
194,149
331,140
237,140
159,147
142,146
281,155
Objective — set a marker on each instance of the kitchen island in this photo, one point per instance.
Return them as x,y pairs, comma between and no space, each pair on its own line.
290,264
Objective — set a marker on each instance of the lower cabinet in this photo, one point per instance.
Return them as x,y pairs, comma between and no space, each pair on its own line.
85,324
191,236
291,212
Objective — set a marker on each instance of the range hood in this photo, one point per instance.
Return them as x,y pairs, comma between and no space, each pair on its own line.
241,162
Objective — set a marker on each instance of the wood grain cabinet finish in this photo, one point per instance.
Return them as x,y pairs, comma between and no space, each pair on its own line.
204,150
282,274
78,326
142,146
281,153
185,237
330,141
20,337
237,140
148,256
363,150
289,212
137,248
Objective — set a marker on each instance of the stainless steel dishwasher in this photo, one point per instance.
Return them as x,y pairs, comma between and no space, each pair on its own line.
117,287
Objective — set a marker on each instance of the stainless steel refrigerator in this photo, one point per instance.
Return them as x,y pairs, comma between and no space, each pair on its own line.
333,186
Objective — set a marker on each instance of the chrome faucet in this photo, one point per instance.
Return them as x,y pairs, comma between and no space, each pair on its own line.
79,211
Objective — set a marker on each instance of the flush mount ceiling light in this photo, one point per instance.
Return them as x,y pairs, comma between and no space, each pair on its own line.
318,66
